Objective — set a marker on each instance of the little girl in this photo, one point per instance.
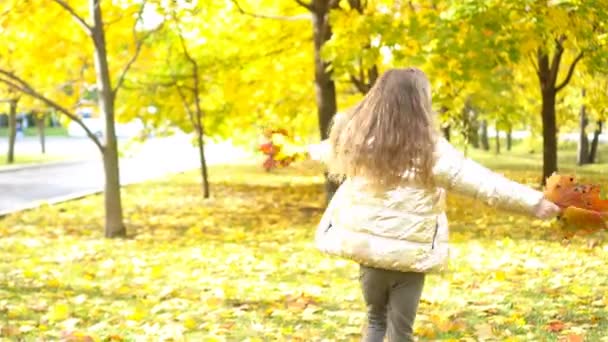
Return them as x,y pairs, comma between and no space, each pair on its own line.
389,213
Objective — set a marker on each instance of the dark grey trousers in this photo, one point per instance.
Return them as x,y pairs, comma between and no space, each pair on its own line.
392,299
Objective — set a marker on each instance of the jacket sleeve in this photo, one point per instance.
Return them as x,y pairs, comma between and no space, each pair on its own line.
456,173
320,152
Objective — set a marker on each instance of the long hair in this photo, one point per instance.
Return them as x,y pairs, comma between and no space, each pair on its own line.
388,136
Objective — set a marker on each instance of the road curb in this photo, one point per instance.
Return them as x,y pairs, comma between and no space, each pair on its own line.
41,165
51,201
79,195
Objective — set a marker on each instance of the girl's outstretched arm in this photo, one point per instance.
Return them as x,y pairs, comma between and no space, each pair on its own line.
456,173
320,152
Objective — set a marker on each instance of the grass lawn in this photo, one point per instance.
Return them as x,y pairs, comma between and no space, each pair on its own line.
241,266
33,132
31,159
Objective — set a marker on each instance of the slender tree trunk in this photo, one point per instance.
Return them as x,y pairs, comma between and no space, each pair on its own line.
485,143
325,87
114,226
582,156
204,173
549,133
497,151
474,133
472,124
40,122
595,142
509,138
12,131
446,132
200,132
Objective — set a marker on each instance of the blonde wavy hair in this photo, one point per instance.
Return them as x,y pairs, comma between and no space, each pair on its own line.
390,135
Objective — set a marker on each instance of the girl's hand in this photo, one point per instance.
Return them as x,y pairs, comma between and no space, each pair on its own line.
546,210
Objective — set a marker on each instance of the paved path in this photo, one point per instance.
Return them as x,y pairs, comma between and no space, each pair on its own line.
30,186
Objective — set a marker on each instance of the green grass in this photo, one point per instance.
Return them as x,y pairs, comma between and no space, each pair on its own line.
24,159
33,132
241,266
521,159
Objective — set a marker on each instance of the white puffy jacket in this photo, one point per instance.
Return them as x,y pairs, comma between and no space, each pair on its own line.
405,228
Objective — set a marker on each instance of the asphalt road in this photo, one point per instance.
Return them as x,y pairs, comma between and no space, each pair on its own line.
29,186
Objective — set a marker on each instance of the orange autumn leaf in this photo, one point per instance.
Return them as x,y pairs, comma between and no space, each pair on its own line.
584,211
556,326
586,220
572,338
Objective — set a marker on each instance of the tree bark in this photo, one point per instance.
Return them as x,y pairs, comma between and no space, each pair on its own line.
509,138
595,142
446,132
582,156
549,133
200,132
204,172
474,133
196,118
547,70
114,226
497,150
325,87
40,122
12,131
485,143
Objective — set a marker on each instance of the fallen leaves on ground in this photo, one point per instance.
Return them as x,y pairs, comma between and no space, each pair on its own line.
242,267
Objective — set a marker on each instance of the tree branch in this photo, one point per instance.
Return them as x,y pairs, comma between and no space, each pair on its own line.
570,72
359,84
270,16
86,27
533,63
182,96
138,46
557,58
22,86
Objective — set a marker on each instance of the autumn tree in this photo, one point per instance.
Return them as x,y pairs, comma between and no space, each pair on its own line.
52,59
12,100
553,37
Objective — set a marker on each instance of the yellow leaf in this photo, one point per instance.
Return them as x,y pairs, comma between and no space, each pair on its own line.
214,302
500,275
59,312
137,314
190,323
157,271
53,283
426,331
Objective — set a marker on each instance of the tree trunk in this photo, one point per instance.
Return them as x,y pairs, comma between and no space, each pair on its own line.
325,87
485,143
582,156
497,151
204,174
474,133
509,138
547,71
200,132
549,133
40,122
12,131
446,132
595,142
114,226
